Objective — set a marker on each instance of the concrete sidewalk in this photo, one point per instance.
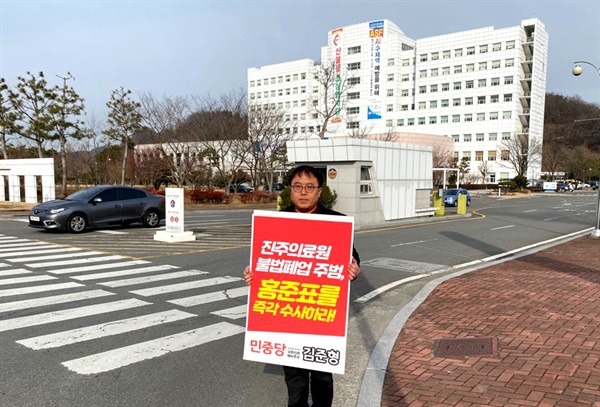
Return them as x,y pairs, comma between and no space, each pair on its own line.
543,310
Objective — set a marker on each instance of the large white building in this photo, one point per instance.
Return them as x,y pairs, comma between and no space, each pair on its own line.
479,87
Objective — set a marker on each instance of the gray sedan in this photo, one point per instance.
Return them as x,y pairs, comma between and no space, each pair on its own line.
99,206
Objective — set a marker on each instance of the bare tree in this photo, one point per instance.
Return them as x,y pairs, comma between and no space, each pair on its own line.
521,151
332,97
442,157
124,119
484,169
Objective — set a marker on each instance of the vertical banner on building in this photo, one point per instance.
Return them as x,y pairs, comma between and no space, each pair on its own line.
376,37
336,39
298,299
174,200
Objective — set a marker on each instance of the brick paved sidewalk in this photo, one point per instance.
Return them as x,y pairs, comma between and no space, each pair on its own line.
544,310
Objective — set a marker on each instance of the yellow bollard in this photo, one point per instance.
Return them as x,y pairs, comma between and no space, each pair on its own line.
462,205
438,202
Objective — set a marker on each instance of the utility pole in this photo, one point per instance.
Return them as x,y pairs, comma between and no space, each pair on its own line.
62,137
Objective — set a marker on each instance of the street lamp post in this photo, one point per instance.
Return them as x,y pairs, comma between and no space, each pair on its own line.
578,70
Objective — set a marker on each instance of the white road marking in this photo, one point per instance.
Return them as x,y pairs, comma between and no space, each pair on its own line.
55,256
13,272
232,313
73,313
210,297
77,261
146,292
114,359
531,210
150,279
4,265
121,273
38,289
99,267
23,280
56,299
112,232
503,227
103,330
387,287
409,243
27,251
547,219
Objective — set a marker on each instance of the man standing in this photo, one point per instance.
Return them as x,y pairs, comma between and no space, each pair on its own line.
306,187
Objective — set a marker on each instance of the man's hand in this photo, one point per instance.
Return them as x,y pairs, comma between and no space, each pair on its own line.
353,270
247,274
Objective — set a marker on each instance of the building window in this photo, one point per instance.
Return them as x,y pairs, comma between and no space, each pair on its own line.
405,78
422,89
445,102
287,78
443,119
353,110
455,118
478,155
471,51
404,108
390,77
470,67
353,95
404,92
446,70
435,56
507,114
458,69
509,62
433,104
457,85
495,64
508,80
483,66
492,155
251,83
389,108
481,83
456,138
423,73
389,123
411,122
354,50
353,66
495,82
366,182
480,118
496,47
354,81
508,97
303,75
479,137
506,135
423,57
493,115
494,98
400,122
258,82
352,125
434,72
483,49
467,137
480,100
421,120
468,117
504,155
391,62
468,101
406,62
422,105
446,54
493,137
390,92
510,44
456,102
445,86
432,120
469,84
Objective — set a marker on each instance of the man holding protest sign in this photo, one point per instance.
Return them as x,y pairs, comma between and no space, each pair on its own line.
319,303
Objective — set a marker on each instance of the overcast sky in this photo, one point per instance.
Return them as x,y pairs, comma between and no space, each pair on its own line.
205,47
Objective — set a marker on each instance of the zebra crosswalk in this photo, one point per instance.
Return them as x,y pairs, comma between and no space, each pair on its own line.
45,287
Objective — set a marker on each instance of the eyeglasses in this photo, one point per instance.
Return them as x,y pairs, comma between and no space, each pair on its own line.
308,188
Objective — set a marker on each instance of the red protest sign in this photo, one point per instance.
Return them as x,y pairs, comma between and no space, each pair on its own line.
298,300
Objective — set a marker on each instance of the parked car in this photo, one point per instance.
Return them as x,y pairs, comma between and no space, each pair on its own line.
240,188
593,185
451,196
99,206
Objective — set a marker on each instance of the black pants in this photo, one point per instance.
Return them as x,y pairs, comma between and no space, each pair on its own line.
297,381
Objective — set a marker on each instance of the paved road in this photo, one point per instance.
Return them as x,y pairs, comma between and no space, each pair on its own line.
160,324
